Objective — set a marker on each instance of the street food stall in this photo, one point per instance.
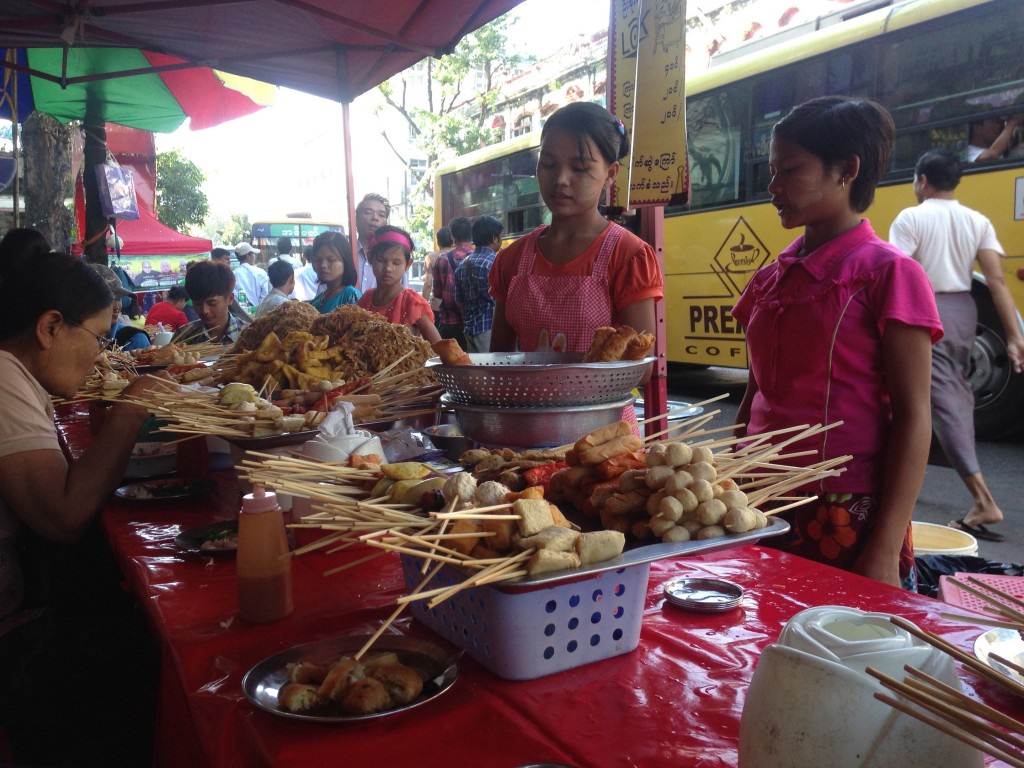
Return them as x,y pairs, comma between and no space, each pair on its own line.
525,652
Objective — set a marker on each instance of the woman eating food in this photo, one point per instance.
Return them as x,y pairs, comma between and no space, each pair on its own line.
62,617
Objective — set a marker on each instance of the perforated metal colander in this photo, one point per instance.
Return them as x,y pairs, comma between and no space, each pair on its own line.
537,379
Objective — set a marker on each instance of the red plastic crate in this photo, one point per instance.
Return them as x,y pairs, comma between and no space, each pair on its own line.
952,594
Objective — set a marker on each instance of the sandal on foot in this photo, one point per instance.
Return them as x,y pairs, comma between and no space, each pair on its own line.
978,531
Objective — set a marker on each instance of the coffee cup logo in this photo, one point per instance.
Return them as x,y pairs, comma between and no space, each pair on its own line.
744,255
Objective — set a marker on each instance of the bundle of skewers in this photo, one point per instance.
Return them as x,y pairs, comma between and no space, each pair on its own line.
240,411
494,535
944,707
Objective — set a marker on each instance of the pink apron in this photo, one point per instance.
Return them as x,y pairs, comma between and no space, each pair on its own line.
562,311
560,314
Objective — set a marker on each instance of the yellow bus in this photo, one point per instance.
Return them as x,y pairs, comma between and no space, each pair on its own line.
937,65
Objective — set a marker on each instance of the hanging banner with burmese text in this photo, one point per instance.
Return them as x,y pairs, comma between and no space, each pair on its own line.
646,58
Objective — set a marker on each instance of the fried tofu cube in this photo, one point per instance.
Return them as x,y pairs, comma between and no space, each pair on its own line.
534,515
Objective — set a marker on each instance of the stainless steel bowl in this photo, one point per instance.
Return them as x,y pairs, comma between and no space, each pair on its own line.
533,427
537,379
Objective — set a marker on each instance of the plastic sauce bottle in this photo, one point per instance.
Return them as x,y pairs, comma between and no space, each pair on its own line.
263,565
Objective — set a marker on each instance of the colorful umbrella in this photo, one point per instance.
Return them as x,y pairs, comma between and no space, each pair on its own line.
98,84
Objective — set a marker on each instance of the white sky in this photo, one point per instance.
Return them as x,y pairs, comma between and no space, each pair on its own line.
252,164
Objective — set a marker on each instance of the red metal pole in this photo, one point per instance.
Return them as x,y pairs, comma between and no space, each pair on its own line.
652,230
350,187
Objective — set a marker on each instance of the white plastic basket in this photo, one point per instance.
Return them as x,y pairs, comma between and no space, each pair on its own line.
525,635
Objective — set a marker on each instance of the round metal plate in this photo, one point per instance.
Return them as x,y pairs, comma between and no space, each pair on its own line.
704,595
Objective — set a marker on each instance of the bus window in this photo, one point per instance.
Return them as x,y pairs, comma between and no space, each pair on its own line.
954,71
714,127
505,187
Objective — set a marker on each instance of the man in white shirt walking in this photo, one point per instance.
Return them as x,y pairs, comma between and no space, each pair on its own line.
946,238
251,282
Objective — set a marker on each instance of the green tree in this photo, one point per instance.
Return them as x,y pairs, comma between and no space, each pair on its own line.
450,116
227,230
236,229
180,201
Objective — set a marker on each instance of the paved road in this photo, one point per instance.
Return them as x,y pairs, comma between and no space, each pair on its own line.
943,497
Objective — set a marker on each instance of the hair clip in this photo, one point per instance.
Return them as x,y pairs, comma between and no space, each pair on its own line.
620,127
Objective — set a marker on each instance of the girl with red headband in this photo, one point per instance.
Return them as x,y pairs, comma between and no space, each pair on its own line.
391,257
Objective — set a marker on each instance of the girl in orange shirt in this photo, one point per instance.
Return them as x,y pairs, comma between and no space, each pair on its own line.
390,257
555,286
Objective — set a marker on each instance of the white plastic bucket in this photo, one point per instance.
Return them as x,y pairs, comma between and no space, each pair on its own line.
932,539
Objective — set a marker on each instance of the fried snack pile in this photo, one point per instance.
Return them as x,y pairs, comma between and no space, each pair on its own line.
378,684
369,344
539,526
298,361
514,470
610,345
670,492
290,316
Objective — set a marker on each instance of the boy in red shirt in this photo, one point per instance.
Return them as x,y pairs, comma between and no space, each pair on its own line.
169,311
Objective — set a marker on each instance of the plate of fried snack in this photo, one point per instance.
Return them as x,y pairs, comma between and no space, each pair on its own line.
323,682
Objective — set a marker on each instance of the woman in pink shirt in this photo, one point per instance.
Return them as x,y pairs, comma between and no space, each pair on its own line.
839,329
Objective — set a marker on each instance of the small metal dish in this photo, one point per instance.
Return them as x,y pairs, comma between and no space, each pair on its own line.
704,595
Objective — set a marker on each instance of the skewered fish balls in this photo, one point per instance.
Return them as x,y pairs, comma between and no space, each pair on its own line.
658,476
680,479
711,512
701,453
703,470
675,533
678,454
702,490
659,525
670,508
733,498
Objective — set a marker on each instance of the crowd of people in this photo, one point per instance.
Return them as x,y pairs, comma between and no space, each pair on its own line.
838,300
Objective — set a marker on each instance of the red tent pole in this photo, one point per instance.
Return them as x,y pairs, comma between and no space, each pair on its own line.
652,229
350,186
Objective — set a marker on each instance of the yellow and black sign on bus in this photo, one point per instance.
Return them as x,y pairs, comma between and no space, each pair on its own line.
700,320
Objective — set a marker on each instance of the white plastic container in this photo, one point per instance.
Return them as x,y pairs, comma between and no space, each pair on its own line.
525,635
811,703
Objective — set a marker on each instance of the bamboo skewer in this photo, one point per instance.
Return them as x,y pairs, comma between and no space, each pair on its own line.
950,711
394,615
970,661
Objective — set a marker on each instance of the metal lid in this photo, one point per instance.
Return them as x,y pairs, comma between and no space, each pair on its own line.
704,595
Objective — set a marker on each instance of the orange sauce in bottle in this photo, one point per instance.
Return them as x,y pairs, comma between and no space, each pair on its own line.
263,565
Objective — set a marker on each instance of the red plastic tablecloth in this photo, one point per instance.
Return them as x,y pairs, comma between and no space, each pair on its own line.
674,701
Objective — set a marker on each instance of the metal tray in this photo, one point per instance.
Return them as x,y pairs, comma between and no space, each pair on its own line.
436,665
537,379
648,554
